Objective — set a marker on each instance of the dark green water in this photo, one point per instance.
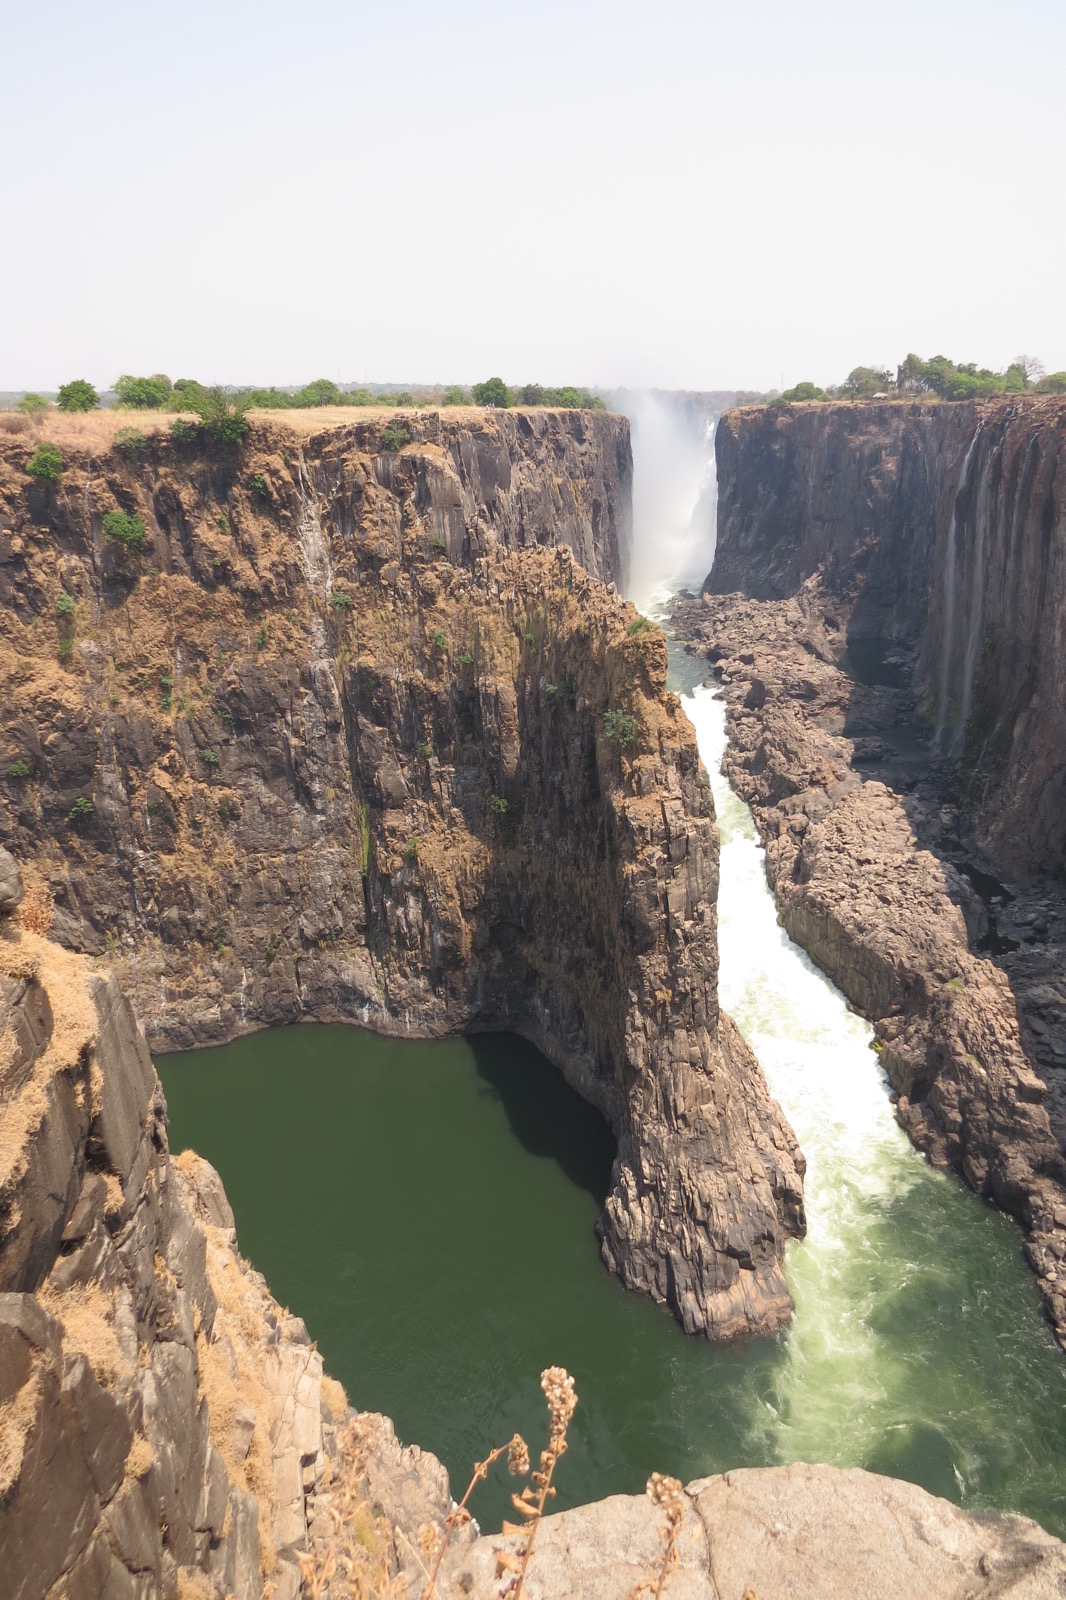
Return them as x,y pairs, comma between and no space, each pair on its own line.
428,1208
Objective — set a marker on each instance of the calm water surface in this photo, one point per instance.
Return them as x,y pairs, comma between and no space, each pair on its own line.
428,1208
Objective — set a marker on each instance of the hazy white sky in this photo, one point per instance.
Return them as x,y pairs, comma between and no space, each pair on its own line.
693,194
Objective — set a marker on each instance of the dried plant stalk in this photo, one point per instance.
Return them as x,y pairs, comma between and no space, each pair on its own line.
558,1388
517,1452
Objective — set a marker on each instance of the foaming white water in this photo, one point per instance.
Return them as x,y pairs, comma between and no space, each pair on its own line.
818,1061
675,498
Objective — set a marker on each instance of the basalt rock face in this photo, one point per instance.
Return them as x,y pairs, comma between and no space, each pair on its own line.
336,747
942,527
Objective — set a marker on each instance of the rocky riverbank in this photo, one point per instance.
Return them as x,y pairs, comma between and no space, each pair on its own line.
888,920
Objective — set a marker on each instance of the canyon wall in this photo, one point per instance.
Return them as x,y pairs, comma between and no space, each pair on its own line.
941,527
345,741
934,534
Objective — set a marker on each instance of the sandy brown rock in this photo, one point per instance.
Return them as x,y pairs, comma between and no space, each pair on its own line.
785,1533
160,1416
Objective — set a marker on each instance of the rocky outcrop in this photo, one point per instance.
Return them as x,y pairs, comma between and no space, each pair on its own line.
331,752
886,919
783,1533
165,1427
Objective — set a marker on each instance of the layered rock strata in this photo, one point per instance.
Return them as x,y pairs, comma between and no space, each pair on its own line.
886,919
325,750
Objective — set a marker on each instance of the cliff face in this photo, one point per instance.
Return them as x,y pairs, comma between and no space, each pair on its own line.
337,747
942,527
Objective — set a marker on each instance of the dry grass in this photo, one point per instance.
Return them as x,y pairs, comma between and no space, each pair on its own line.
85,1312
37,908
16,1420
141,1458
92,432
194,1585
74,1022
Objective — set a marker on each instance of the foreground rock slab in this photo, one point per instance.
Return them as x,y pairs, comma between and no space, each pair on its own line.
783,1533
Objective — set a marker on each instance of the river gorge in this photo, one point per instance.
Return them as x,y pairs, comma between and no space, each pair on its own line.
431,1207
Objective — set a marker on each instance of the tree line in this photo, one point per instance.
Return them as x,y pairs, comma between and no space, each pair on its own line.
156,392
940,376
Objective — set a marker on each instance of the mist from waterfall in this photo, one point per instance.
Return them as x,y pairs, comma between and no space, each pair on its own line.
675,499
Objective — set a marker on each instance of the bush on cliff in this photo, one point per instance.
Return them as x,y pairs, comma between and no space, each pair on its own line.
125,528
45,462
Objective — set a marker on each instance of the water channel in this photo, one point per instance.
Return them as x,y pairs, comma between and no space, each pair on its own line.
428,1208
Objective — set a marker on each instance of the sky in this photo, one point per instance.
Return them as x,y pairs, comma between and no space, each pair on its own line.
687,194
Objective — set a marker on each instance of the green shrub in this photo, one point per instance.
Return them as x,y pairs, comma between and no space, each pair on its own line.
639,625
261,636
66,605
438,546
465,659
18,769
45,462
258,487
127,529
130,442
340,602
209,757
31,405
565,689
184,433
77,396
81,812
440,639
410,851
619,727
393,437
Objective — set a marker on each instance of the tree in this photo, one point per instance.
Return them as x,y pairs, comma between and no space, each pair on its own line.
143,394
455,395
1054,383
31,405
1032,366
322,392
493,392
531,394
866,381
804,391
77,396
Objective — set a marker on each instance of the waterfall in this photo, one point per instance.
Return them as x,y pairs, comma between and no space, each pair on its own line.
951,584
675,498
975,614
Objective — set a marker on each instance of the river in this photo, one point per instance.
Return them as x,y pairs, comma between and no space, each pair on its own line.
428,1208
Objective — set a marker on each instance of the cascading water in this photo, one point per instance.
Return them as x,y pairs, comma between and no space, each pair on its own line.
675,492
941,744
